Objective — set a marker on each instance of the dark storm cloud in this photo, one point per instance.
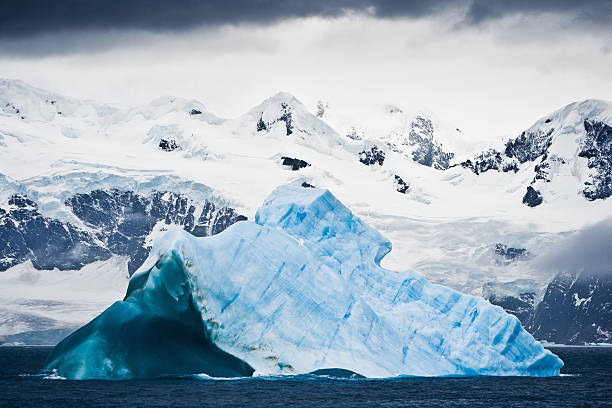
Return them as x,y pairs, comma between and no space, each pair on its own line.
24,18
587,250
578,11
35,28
30,17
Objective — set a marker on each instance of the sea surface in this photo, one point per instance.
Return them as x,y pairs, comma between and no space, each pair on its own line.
586,382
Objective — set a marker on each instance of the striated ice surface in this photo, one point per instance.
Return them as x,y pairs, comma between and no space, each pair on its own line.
301,289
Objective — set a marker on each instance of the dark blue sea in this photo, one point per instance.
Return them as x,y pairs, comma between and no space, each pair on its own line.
586,382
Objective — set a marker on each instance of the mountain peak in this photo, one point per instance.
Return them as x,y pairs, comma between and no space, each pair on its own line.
284,115
285,97
169,103
576,113
26,102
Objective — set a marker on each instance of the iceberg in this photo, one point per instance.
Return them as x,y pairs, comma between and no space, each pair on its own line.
299,290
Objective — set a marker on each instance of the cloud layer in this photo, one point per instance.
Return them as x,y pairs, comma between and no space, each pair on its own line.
27,18
585,251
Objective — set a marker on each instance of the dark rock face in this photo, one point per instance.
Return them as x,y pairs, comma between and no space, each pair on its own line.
576,309
168,145
295,164
597,148
372,156
123,219
542,170
284,116
307,185
195,112
529,145
490,160
287,118
214,220
532,197
261,125
521,306
506,255
427,152
48,243
119,222
400,185
22,201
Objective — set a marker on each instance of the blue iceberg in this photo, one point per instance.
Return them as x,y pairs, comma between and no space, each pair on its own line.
299,290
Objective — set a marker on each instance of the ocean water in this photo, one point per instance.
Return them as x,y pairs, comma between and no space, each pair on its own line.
586,382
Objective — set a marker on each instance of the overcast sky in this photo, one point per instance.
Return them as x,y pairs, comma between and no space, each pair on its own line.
489,67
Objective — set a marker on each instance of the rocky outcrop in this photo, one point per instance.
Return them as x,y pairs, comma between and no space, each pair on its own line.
529,146
168,145
506,255
287,118
532,197
285,115
295,164
261,125
119,222
123,220
25,234
576,309
597,149
426,150
490,160
400,185
372,156
542,170
416,141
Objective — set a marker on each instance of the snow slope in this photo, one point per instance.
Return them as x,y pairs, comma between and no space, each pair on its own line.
32,300
299,290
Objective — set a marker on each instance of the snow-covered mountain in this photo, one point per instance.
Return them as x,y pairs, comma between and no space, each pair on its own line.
85,183
553,147
416,133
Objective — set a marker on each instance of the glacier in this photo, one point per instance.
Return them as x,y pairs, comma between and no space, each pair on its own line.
300,289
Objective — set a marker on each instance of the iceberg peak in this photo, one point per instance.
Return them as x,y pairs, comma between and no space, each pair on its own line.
317,217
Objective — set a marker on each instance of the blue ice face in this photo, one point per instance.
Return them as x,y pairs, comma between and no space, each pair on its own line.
156,330
299,290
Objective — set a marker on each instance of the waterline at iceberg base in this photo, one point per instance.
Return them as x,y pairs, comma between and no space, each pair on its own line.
300,289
